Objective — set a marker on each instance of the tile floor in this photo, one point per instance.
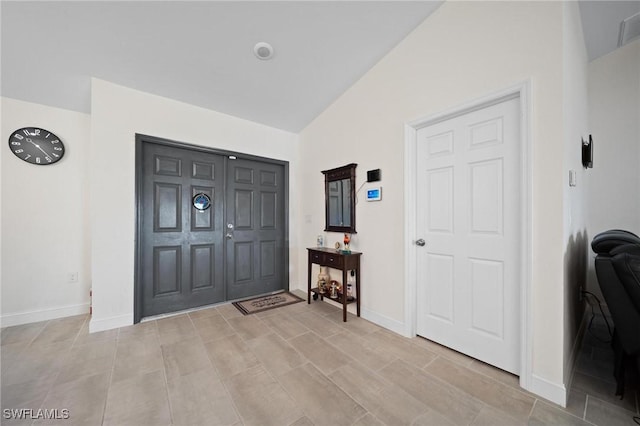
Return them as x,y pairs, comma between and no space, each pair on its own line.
296,365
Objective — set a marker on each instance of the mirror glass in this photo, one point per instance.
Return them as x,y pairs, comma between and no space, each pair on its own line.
339,203
340,199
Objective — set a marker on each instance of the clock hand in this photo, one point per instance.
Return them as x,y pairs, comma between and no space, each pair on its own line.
43,151
38,146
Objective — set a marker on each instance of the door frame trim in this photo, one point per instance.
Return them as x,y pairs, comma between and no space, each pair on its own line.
521,91
140,139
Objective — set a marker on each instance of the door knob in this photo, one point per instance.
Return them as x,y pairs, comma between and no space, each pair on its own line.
229,236
230,225
421,242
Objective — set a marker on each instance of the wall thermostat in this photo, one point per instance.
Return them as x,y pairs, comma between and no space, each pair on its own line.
374,194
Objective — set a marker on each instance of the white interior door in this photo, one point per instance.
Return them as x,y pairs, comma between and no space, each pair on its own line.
468,213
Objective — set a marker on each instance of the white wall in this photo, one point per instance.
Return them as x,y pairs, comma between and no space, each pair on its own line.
576,128
613,184
45,231
464,51
117,114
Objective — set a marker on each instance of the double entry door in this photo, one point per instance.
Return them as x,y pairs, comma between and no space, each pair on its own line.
211,228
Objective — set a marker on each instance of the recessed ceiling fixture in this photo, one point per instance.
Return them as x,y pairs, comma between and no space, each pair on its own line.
263,51
629,29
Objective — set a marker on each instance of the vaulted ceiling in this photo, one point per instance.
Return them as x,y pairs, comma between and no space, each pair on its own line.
201,52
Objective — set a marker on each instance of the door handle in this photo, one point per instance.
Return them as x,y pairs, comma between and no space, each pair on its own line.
421,242
229,236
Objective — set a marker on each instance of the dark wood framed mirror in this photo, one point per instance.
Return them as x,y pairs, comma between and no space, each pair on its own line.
340,199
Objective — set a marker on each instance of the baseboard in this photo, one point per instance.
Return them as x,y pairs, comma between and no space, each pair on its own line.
554,392
570,366
374,317
103,324
384,321
8,320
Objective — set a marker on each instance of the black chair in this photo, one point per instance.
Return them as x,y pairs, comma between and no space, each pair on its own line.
618,271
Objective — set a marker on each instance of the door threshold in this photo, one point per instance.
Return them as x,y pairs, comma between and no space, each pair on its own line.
184,311
200,308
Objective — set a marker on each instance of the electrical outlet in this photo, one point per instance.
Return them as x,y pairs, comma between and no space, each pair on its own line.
72,277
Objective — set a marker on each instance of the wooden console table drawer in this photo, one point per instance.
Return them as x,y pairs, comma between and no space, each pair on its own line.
316,257
333,261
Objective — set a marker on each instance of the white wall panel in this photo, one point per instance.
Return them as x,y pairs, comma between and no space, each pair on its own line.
118,113
45,226
437,67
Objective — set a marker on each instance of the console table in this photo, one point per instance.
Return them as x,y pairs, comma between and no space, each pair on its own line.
337,260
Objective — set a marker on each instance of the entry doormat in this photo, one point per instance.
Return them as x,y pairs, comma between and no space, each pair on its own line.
264,303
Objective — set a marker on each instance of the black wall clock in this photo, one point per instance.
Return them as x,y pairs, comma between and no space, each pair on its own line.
36,146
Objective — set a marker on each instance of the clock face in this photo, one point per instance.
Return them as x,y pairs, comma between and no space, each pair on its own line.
36,146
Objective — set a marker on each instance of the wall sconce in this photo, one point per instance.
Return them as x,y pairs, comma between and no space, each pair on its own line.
587,153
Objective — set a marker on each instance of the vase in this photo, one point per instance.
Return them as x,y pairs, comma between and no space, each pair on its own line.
323,278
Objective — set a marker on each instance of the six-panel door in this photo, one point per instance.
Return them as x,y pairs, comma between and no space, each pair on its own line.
182,247
255,228
469,215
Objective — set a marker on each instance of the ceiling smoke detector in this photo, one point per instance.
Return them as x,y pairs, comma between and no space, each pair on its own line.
263,51
629,29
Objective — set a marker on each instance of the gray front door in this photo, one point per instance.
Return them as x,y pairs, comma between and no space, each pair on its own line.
255,228
189,257
182,247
